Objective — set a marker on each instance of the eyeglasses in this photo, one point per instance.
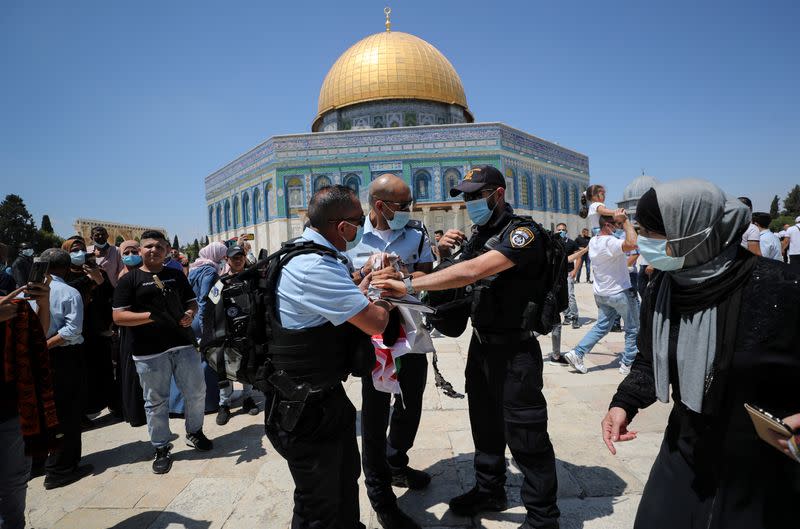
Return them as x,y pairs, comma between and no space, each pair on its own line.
359,221
400,206
469,197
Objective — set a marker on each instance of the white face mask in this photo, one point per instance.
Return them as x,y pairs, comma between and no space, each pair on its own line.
27,252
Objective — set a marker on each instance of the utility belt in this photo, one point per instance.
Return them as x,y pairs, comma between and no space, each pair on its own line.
506,338
290,398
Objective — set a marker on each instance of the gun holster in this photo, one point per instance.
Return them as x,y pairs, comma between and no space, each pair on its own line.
288,401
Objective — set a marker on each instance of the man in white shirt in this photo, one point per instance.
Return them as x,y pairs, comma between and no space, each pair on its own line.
792,241
612,293
769,242
751,238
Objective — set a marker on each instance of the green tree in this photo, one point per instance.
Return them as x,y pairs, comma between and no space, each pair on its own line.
777,223
773,208
175,243
45,240
193,250
791,204
119,240
46,225
16,224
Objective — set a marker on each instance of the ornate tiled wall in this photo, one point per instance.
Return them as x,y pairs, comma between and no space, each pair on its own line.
391,114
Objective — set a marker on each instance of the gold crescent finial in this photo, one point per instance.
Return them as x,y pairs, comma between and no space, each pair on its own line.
388,11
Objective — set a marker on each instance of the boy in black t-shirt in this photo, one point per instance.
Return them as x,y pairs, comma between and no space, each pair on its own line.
157,304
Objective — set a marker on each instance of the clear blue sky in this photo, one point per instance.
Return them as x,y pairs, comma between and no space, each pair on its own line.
118,110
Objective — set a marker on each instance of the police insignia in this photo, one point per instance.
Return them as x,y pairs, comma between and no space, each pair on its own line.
521,237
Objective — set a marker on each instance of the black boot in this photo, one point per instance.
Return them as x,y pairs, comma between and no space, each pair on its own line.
475,501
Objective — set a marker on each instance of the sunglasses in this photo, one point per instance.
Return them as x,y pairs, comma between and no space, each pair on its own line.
476,195
399,206
359,221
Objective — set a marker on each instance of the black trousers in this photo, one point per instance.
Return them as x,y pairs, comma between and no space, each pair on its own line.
506,405
69,385
322,454
379,452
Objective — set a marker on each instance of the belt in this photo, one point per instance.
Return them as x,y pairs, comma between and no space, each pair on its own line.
510,337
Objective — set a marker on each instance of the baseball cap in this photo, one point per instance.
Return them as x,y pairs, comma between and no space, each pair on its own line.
478,178
235,250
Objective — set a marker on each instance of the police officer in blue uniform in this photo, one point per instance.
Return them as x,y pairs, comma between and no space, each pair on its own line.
506,266
388,230
323,317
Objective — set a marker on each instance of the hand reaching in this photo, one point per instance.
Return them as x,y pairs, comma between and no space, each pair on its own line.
615,428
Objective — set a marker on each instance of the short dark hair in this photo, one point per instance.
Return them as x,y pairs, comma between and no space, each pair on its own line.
438,232
330,203
153,234
762,219
59,259
99,228
747,202
561,224
606,219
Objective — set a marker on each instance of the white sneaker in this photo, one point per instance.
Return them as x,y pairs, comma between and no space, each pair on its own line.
576,362
623,369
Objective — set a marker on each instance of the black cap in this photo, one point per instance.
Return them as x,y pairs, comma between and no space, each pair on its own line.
235,250
478,178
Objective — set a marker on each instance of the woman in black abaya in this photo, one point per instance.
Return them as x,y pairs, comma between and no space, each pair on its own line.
721,327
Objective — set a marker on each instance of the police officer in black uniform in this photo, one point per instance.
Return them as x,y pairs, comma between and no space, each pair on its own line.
319,320
506,266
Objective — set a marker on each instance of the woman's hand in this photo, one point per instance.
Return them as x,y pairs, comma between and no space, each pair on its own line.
793,422
94,274
615,428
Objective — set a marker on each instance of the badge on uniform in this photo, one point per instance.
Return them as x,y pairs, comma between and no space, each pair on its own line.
521,237
215,294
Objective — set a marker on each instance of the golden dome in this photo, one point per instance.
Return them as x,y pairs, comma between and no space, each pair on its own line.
390,65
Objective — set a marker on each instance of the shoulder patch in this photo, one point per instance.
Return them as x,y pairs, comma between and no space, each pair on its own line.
521,237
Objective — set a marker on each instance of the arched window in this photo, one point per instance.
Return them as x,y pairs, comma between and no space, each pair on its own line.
210,219
294,193
564,197
541,199
257,206
450,180
236,218
267,191
524,191
219,219
320,182
246,209
551,195
227,215
352,181
422,185
576,206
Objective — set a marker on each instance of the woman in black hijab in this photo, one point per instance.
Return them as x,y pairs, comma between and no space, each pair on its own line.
721,327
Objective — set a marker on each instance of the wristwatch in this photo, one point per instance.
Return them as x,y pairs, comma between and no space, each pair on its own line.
409,287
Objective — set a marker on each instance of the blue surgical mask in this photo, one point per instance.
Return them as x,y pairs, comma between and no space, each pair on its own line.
27,252
399,221
78,258
101,246
655,252
478,211
349,245
132,260
563,234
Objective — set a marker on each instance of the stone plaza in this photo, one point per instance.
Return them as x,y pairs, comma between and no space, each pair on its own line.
242,483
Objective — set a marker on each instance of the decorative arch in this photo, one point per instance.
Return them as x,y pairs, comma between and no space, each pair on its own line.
295,194
267,191
210,219
451,178
422,185
541,199
353,181
218,224
564,196
257,206
320,182
575,200
227,214
245,209
236,213
524,186
552,197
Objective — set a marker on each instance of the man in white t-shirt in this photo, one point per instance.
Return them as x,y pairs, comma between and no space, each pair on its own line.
612,293
770,243
792,241
751,238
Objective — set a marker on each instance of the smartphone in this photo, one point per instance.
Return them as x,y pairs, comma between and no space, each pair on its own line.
38,271
765,422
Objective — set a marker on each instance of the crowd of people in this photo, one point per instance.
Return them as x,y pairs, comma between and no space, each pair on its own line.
696,281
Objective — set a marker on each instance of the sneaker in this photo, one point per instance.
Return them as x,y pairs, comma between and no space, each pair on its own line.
409,478
567,319
250,406
61,480
199,441
394,518
223,415
616,328
575,324
624,369
475,501
576,362
163,462
558,360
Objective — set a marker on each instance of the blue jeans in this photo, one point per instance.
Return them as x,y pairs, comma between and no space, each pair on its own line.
225,393
572,309
155,374
624,303
14,471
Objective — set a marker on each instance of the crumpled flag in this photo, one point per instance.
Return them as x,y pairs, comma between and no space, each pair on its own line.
387,358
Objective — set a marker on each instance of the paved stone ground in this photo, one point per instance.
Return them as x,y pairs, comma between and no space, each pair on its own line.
244,484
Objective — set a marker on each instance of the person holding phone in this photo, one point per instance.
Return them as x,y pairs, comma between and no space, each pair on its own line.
714,329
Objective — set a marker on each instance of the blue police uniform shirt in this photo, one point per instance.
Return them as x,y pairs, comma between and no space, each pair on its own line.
315,289
405,243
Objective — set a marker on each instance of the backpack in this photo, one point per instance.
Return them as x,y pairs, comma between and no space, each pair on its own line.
237,346
556,298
